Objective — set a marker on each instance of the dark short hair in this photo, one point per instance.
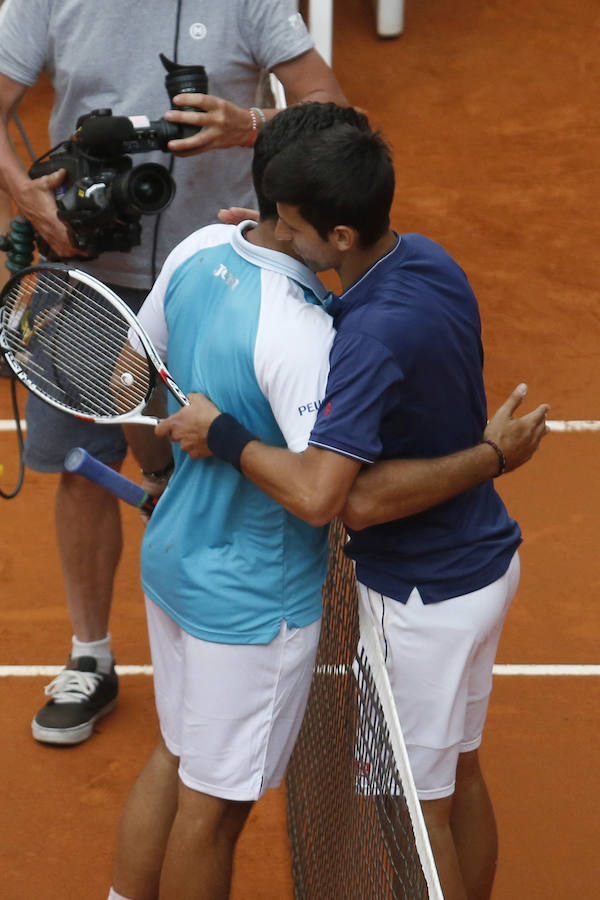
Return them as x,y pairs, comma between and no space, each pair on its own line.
291,125
341,175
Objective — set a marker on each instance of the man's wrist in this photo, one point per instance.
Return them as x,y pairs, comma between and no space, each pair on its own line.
226,439
500,457
159,475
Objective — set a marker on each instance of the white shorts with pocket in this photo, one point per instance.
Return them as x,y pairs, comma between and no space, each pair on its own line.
230,712
439,658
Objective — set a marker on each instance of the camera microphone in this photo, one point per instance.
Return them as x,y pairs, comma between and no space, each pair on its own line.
101,130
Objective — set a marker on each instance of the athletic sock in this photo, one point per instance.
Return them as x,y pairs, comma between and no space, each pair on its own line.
114,896
100,650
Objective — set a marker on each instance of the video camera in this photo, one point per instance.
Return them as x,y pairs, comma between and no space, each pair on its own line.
103,194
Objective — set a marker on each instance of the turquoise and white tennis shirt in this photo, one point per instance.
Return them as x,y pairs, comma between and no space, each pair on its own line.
243,325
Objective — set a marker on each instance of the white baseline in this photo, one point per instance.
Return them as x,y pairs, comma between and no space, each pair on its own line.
551,670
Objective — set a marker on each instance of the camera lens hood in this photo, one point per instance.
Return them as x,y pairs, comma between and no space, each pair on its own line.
184,79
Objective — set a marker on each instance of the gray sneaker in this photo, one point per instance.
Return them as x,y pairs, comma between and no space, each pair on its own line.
79,696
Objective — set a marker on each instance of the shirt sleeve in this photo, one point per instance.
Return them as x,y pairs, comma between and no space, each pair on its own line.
23,39
349,420
275,31
291,358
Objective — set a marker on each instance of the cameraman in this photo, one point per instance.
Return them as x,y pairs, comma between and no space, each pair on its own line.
108,57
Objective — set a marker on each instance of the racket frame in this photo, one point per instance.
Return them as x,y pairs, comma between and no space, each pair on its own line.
157,366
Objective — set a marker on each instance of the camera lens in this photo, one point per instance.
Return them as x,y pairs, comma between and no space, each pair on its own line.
184,79
145,189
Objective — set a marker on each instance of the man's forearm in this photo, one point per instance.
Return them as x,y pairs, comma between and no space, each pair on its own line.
396,488
312,485
152,453
13,175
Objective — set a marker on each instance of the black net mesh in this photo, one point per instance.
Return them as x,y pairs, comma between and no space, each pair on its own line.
350,829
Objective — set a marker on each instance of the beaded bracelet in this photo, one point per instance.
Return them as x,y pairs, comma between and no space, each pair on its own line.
501,457
260,114
254,133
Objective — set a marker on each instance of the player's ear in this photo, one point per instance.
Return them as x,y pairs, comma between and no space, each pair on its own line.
344,237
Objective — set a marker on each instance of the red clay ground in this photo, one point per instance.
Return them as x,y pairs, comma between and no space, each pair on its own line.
495,130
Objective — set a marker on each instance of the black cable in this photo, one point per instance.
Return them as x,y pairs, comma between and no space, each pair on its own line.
171,165
23,134
20,442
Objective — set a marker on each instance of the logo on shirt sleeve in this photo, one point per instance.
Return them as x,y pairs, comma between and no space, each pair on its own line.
309,408
312,408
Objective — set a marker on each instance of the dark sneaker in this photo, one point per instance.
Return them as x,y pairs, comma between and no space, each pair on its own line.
79,696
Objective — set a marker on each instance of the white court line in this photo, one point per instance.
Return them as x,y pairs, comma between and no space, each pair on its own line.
553,424
573,425
46,671
10,425
537,670
552,669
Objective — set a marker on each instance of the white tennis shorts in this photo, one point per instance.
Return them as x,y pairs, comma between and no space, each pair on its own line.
230,712
439,658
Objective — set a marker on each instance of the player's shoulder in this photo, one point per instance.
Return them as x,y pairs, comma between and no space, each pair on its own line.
425,252
204,238
208,236
292,302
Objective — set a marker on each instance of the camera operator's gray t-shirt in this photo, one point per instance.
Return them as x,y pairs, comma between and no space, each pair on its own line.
106,54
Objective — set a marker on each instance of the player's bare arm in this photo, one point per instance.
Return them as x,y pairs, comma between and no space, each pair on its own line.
312,485
395,488
151,452
319,484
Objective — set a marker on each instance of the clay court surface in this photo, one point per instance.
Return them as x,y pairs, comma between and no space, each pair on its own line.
492,111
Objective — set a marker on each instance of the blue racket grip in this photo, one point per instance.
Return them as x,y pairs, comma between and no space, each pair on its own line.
80,462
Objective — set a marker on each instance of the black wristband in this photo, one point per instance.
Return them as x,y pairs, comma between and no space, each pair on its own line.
227,438
499,454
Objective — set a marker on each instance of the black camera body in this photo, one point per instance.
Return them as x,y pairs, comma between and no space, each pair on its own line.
103,195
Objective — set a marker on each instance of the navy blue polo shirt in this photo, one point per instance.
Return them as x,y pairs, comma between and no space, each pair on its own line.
406,381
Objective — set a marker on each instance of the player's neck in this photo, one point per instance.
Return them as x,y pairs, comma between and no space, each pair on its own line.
264,236
354,265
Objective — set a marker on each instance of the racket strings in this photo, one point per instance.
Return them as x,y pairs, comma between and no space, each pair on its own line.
46,341
111,318
72,370
71,344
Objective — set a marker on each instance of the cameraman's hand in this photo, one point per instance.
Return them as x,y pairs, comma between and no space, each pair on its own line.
37,202
223,124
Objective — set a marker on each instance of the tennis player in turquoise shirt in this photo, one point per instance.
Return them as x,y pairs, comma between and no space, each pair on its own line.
232,580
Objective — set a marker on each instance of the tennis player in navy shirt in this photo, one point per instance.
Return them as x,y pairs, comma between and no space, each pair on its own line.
435,549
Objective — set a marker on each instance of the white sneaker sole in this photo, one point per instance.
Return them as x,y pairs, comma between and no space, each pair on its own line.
75,735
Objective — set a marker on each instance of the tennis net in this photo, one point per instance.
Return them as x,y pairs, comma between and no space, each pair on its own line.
354,820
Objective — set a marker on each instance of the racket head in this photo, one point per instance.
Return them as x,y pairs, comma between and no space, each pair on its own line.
65,335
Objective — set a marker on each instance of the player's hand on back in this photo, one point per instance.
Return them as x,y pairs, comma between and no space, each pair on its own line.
189,426
236,214
517,438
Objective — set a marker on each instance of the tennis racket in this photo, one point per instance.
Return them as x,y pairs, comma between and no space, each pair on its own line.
80,462
65,336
